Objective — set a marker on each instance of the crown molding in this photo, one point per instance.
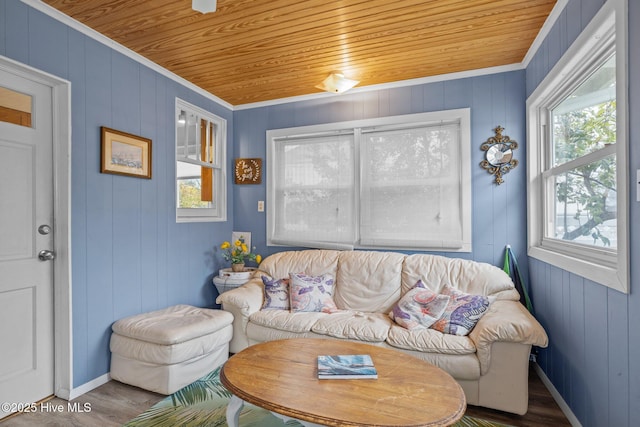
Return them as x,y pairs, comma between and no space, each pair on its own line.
544,31
90,32
383,86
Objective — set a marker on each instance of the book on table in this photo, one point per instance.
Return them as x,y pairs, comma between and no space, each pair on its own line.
346,366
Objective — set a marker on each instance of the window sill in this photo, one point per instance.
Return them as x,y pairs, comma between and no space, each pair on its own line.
199,219
611,277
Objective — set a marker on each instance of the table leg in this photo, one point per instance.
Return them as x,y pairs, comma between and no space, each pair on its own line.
286,419
233,411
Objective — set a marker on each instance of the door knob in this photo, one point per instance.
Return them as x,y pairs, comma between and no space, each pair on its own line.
44,229
45,255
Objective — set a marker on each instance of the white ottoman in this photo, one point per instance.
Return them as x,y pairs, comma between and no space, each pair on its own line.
167,349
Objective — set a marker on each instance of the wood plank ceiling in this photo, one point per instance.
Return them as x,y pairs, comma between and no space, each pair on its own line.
259,50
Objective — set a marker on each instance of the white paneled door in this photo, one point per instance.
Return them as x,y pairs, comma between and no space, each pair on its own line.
26,243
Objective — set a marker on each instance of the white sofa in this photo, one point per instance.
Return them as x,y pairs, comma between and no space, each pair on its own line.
491,363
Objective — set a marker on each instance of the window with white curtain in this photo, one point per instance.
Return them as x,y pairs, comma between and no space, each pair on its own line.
200,165
397,182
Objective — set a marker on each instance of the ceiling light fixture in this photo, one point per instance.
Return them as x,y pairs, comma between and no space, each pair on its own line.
204,6
337,83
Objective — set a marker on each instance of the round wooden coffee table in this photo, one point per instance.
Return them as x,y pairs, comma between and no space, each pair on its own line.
281,376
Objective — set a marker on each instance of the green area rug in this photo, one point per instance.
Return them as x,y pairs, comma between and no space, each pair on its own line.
204,403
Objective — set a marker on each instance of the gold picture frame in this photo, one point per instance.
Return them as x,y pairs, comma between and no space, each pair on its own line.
125,154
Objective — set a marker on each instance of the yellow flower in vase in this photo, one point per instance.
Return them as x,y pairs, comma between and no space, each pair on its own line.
238,253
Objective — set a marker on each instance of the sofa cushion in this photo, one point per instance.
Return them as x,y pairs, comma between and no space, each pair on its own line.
286,321
369,327
468,276
368,281
313,262
276,294
462,313
430,341
459,366
311,293
419,308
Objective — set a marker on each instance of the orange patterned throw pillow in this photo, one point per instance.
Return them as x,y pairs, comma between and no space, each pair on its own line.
419,308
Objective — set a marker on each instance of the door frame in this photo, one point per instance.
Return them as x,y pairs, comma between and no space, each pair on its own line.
61,139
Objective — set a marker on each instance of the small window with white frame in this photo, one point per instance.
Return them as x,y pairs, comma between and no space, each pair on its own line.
200,165
578,154
399,182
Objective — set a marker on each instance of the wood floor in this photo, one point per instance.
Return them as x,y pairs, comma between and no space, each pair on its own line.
113,403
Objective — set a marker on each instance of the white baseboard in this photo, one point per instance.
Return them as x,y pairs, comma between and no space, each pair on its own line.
63,393
87,387
557,397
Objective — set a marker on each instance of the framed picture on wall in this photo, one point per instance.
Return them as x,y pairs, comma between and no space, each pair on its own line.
243,236
122,153
248,171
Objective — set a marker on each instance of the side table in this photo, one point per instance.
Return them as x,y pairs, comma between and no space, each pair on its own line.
228,279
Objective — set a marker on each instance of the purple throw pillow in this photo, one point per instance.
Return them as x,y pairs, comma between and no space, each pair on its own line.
276,294
462,313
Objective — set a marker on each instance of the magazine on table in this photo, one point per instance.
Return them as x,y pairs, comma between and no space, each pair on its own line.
347,366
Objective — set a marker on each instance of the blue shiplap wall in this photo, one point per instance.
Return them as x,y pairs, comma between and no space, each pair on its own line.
129,255
594,355
499,212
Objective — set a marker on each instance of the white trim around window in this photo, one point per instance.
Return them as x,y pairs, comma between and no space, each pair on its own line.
201,184
604,36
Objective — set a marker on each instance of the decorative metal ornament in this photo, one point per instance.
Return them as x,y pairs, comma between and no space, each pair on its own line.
499,155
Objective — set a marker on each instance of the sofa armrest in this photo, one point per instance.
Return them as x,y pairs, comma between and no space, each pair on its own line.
247,299
506,321
242,302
